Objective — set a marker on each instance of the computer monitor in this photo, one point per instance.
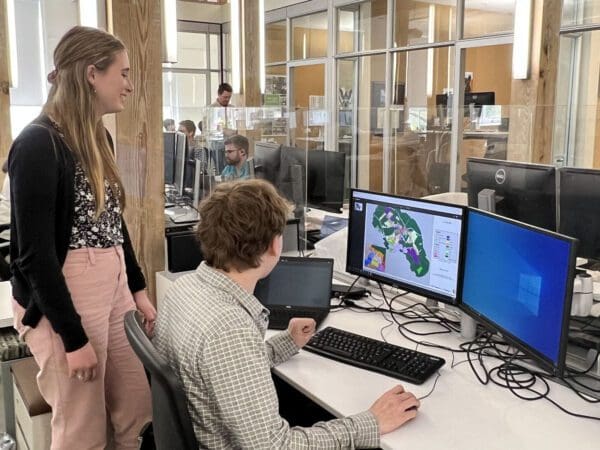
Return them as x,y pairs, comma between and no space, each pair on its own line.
518,281
479,99
579,208
325,180
175,149
521,191
413,244
266,159
291,179
169,156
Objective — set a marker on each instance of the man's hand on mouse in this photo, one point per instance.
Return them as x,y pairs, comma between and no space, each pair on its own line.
394,408
301,329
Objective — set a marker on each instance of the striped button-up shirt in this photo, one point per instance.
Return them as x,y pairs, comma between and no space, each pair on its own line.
211,331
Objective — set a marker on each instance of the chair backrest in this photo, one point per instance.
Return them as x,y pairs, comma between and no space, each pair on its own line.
171,421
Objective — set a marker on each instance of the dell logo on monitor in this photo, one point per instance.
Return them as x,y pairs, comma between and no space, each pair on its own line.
500,176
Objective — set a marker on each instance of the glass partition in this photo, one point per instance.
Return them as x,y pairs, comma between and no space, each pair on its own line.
485,18
580,12
275,42
309,36
362,26
424,22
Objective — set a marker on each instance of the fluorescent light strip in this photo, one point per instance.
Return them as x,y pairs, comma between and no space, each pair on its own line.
88,13
261,39
236,66
12,44
522,39
169,31
430,39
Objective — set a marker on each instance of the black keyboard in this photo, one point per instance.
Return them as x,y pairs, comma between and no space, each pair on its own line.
377,356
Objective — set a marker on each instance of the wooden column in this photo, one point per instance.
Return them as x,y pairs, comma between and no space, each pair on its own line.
139,131
532,117
5,133
250,50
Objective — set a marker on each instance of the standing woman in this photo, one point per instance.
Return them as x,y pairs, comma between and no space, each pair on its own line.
74,270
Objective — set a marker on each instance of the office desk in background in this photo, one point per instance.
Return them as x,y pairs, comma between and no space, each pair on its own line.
460,413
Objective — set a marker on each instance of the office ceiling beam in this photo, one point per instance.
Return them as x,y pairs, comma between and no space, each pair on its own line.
138,135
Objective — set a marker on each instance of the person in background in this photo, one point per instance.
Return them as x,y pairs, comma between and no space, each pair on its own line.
236,156
211,331
169,125
224,93
75,274
188,128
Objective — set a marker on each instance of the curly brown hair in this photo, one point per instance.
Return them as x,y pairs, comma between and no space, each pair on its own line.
238,222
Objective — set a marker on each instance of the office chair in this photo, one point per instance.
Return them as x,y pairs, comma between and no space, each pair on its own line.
170,417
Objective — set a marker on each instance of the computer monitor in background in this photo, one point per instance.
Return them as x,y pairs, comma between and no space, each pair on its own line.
521,191
518,281
175,148
478,100
266,159
169,156
579,209
325,180
291,179
413,244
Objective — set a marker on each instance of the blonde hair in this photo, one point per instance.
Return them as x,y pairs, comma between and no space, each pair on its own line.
240,219
71,103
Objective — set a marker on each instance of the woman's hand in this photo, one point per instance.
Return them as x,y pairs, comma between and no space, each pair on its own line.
147,309
82,363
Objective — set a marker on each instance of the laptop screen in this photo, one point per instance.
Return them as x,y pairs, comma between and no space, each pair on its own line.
297,282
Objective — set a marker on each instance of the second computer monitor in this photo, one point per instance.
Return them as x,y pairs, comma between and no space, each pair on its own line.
579,208
521,191
518,281
413,244
266,159
325,180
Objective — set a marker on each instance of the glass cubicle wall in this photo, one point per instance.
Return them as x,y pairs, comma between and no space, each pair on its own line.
362,26
423,22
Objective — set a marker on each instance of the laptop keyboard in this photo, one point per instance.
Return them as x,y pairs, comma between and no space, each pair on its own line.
377,356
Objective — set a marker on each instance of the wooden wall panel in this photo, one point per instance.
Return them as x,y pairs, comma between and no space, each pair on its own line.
532,119
250,48
139,131
5,133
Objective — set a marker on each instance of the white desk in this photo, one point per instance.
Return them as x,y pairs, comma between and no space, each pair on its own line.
460,413
6,313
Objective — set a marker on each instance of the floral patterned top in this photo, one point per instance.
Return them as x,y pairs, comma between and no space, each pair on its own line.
107,230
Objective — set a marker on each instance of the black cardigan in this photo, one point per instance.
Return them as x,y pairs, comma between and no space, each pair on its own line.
42,183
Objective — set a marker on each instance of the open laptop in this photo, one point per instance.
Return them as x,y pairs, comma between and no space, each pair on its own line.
297,287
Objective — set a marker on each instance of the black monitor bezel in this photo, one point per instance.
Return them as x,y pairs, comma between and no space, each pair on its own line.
335,207
583,251
513,164
543,361
406,286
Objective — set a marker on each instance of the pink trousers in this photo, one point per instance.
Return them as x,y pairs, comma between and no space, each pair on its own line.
97,281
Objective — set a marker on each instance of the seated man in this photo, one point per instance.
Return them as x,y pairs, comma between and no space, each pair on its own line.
211,331
236,156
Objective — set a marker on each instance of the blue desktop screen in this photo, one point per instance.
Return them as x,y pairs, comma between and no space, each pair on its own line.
516,277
